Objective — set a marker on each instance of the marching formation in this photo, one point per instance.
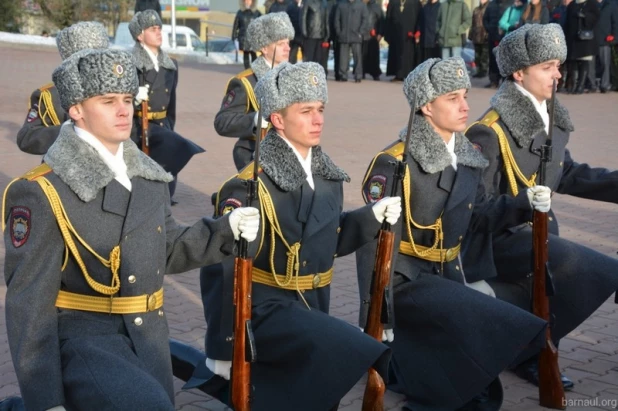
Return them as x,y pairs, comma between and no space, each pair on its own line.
444,242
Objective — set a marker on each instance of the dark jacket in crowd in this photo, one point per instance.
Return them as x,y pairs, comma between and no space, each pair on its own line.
491,18
375,20
351,21
558,16
241,22
141,5
279,6
293,11
581,16
608,23
314,20
428,23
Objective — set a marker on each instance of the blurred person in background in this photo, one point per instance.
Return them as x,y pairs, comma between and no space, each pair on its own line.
400,34
371,40
607,32
427,28
494,11
478,36
245,15
535,13
581,15
454,20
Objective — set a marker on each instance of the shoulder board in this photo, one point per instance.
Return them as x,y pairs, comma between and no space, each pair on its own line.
491,117
37,172
247,172
46,86
246,73
395,149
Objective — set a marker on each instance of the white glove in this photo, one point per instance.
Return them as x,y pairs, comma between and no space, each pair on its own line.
245,223
482,287
389,208
388,335
142,95
57,408
220,367
540,198
256,120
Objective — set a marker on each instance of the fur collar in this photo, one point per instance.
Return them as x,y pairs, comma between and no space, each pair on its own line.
280,163
260,67
79,165
430,152
143,61
520,116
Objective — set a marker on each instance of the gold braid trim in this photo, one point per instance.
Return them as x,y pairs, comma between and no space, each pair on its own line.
292,269
46,100
66,228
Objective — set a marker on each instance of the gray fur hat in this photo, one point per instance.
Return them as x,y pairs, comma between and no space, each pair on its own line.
529,45
434,78
89,73
288,83
268,29
82,35
142,20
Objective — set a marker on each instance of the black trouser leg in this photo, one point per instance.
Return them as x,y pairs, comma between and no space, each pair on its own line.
246,55
172,186
582,75
571,81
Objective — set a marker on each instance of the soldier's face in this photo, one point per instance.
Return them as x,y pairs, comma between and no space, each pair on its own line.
539,79
281,47
151,37
301,124
107,117
448,113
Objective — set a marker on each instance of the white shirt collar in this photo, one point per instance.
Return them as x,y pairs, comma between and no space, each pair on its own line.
541,108
114,162
152,56
450,146
304,162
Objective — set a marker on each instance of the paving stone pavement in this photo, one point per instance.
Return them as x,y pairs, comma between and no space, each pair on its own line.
360,120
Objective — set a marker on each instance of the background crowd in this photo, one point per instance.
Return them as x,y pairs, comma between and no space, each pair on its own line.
415,30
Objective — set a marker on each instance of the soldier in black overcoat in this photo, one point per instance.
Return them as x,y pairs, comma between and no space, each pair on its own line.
509,134
307,360
238,115
45,113
450,337
158,78
89,237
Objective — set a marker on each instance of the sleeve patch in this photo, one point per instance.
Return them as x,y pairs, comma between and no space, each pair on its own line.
374,189
229,205
229,99
20,225
33,114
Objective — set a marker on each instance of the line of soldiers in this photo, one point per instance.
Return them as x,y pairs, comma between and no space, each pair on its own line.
85,318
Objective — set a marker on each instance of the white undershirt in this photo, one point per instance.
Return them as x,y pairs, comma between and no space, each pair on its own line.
540,108
152,56
304,162
450,146
114,162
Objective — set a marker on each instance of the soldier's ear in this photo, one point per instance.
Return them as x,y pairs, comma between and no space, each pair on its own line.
518,76
140,38
75,112
276,120
427,110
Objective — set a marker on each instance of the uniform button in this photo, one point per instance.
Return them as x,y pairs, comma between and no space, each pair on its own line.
166,90
159,229
338,230
160,313
551,219
132,279
561,164
460,237
158,272
161,124
126,238
335,255
470,206
163,108
149,108
138,321
457,267
305,263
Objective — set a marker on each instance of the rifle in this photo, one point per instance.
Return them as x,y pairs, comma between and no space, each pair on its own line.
145,137
551,390
373,399
244,342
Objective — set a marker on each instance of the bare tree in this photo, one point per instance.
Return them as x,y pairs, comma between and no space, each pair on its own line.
63,13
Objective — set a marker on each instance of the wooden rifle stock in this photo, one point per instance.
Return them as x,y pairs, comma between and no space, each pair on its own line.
373,399
145,131
551,390
375,388
241,368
